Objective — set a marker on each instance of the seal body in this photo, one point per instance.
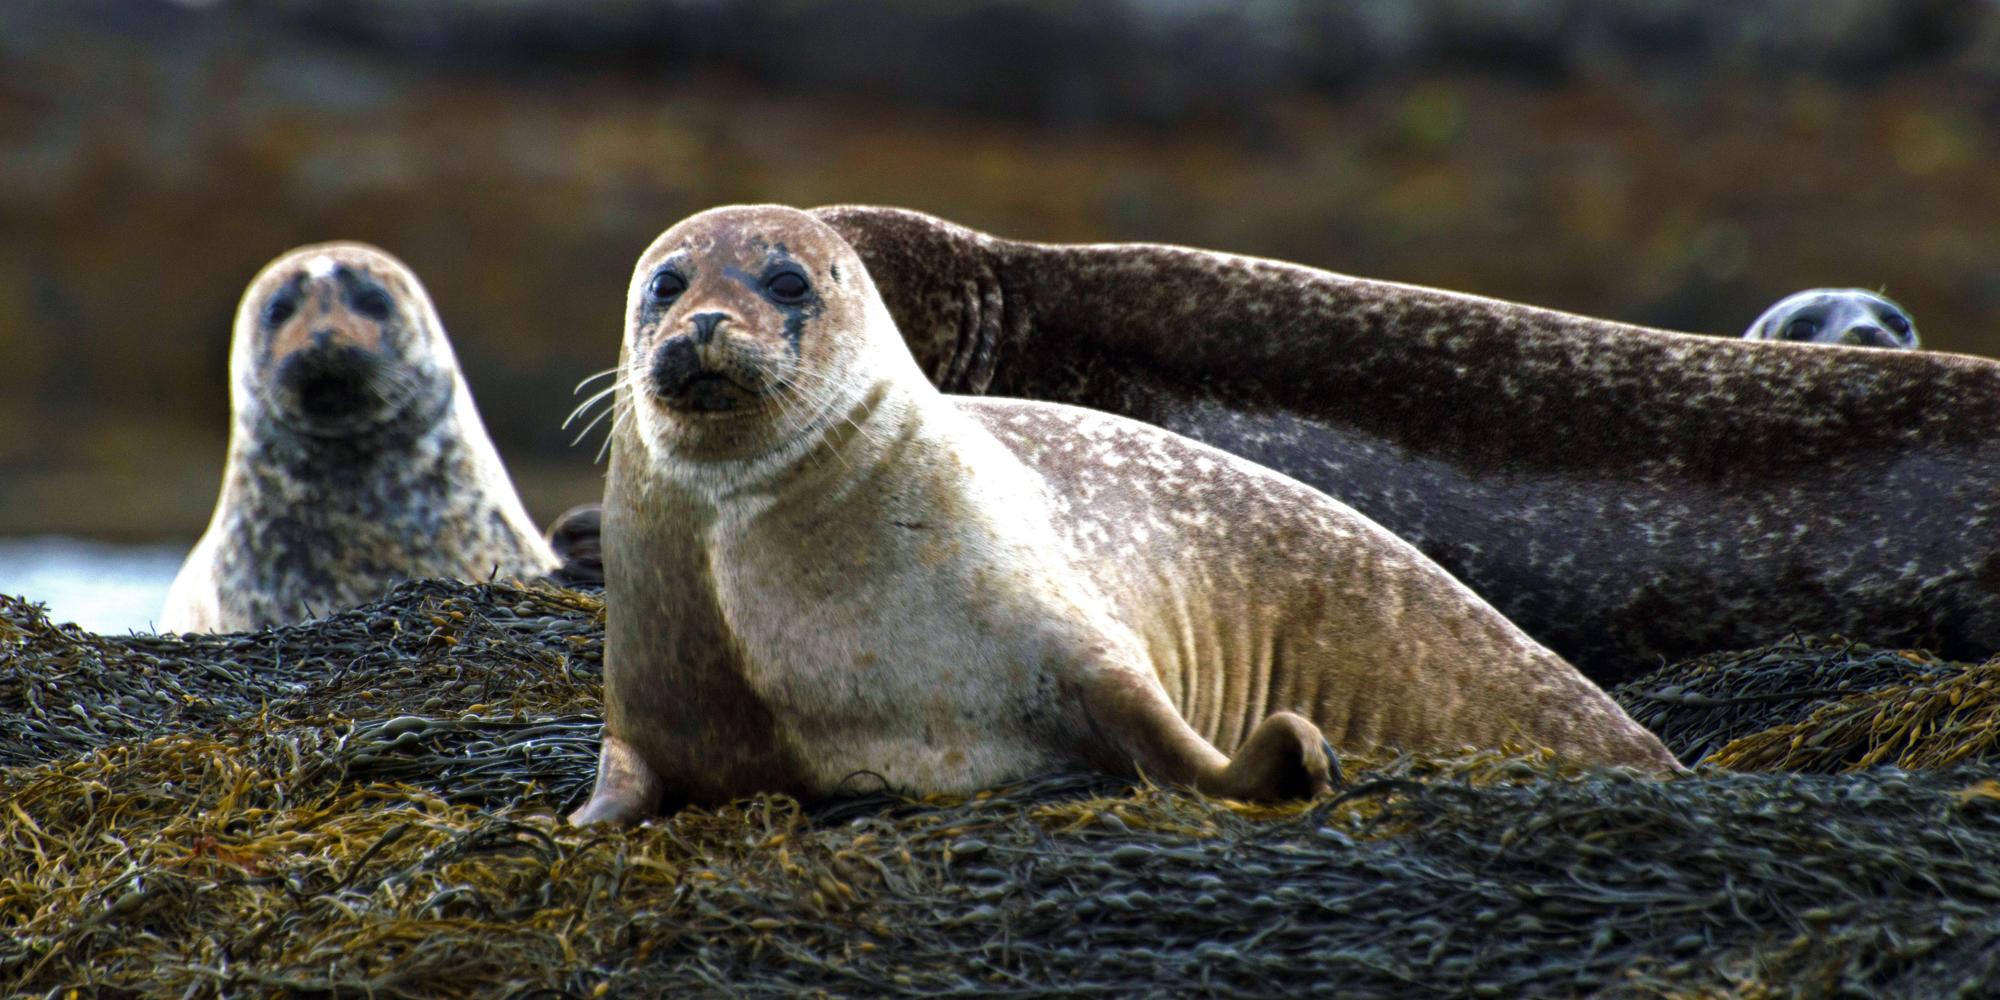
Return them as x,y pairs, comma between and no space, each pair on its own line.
1625,495
1854,317
356,457
818,566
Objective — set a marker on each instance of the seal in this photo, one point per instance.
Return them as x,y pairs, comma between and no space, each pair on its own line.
1855,317
356,457
818,565
1626,495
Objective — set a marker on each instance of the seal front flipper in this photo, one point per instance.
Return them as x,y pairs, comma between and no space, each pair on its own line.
1285,757
577,539
627,791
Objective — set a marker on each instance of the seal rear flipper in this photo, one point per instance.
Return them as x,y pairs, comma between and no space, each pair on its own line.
628,790
1285,757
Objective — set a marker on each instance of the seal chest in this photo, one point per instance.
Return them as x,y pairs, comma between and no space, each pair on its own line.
356,458
817,565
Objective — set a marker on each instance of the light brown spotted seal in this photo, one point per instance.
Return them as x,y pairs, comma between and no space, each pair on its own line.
818,565
356,457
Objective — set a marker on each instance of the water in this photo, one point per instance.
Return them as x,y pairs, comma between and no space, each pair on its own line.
102,587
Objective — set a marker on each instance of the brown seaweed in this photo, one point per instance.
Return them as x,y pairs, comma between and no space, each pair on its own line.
368,805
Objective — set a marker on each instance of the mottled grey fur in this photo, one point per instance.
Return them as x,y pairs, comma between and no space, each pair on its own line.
315,516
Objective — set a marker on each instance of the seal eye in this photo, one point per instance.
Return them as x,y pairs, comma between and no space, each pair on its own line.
372,303
788,287
279,310
1801,329
665,287
1896,322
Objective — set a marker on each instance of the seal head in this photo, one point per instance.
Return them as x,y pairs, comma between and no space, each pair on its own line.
717,350
1851,316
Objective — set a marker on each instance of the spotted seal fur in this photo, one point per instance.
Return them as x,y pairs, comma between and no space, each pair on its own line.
1626,495
818,565
356,457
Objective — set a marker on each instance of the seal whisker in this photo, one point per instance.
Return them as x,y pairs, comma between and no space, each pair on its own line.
809,380
592,425
622,419
594,399
606,373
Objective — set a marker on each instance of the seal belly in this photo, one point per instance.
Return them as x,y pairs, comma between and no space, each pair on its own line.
1254,593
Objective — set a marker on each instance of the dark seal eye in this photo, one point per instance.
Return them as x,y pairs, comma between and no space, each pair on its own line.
665,287
1801,329
373,303
279,310
1896,322
788,287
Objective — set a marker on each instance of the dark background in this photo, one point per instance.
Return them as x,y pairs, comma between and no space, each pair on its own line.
1678,164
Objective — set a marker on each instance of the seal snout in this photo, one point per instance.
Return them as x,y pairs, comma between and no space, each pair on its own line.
330,382
1869,335
690,369
704,326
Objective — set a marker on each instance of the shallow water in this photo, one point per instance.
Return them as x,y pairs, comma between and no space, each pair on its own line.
100,586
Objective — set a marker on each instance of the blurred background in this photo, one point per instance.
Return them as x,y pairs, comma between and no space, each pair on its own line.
1675,163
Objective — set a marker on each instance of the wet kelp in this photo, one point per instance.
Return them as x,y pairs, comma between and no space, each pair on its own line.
432,647
368,805
1822,705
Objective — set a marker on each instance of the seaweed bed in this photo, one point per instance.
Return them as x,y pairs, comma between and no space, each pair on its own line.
369,803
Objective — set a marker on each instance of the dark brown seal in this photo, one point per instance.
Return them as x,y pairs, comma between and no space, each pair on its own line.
1624,494
818,565
356,457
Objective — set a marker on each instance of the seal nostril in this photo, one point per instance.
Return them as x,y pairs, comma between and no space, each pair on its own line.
705,324
1868,336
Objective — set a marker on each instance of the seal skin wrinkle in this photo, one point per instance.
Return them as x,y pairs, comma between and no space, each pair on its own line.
356,458
818,566
1625,495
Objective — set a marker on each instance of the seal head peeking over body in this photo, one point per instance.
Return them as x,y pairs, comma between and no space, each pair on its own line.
356,458
817,565
1855,317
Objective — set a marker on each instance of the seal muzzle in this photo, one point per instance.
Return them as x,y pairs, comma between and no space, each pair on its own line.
332,385
683,380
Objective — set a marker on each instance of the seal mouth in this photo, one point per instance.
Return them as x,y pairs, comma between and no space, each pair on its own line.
337,389
708,392
683,381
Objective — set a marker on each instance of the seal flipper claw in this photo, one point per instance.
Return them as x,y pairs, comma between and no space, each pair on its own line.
628,790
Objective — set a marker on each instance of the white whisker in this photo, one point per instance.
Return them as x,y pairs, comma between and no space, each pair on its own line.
606,373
